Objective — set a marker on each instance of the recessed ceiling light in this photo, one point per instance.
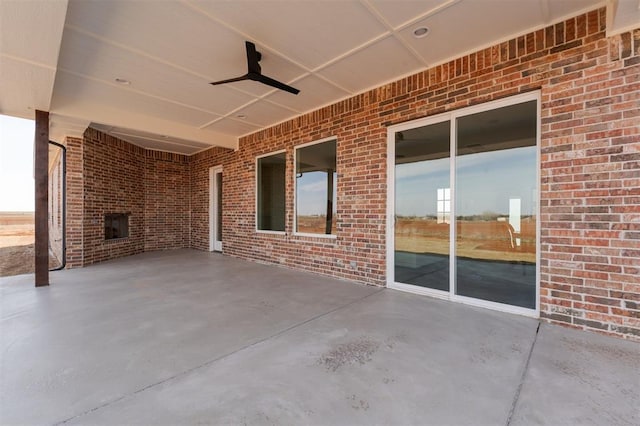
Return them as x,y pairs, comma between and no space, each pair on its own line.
241,116
123,81
420,32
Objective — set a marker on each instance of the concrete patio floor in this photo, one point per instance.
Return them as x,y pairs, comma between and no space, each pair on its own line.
188,337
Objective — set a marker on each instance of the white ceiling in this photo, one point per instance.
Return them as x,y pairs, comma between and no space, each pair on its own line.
64,57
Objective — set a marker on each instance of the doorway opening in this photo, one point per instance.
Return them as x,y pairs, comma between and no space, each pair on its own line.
215,209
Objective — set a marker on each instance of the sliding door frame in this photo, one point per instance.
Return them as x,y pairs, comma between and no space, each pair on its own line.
452,117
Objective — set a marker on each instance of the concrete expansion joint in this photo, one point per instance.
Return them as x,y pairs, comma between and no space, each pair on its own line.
516,396
220,358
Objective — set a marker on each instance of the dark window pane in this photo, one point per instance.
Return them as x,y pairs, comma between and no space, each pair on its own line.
271,192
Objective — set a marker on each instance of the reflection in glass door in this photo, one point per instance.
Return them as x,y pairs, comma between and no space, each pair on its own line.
496,205
423,206
465,226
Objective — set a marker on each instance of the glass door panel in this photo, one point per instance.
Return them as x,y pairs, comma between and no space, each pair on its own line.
423,206
215,209
496,160
219,210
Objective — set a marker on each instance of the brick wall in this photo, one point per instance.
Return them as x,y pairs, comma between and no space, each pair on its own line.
113,172
589,189
75,203
110,175
358,251
167,211
590,170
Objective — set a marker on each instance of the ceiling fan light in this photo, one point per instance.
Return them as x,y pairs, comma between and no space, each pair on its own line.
420,32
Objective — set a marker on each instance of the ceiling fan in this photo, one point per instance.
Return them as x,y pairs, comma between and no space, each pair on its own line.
255,72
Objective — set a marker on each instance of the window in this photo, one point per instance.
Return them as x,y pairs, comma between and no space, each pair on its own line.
116,225
443,205
316,183
271,192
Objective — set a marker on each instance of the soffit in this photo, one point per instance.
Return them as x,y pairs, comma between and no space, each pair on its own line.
624,16
30,36
171,50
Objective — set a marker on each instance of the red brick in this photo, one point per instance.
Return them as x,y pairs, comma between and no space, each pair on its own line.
589,172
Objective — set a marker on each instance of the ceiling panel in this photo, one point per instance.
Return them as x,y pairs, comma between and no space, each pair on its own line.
164,29
264,113
152,136
77,125
32,30
158,145
170,50
627,17
61,126
89,56
501,19
24,88
397,12
381,62
151,140
233,126
310,33
563,8
70,88
314,92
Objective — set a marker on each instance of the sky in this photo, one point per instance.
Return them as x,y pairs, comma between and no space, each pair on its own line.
16,164
311,193
485,183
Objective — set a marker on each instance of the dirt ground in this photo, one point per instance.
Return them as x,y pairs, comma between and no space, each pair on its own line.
480,240
16,245
314,224
488,240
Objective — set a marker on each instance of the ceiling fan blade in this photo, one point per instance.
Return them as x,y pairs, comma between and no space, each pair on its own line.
253,57
231,80
278,85
255,72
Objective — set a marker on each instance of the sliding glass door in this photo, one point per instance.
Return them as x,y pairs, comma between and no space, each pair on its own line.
496,205
423,206
464,204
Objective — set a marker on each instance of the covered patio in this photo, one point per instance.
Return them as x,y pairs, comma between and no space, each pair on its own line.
191,337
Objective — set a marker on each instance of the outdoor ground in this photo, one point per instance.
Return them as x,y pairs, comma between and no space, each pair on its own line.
191,337
16,244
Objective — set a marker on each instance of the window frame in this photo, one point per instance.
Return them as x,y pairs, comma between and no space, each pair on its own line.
295,188
257,183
